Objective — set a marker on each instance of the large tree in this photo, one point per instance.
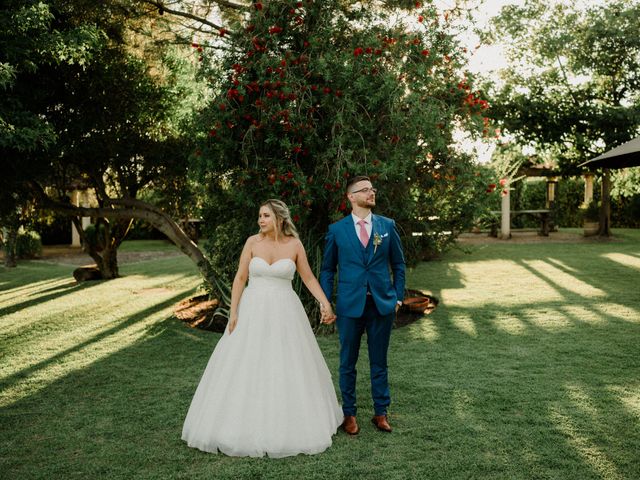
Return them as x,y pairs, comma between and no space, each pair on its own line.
90,101
572,88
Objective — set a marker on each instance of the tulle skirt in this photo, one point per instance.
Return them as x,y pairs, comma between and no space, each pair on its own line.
266,388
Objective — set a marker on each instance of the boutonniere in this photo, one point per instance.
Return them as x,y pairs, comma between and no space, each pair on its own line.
377,241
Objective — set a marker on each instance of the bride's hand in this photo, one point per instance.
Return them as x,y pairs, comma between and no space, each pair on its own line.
328,317
233,321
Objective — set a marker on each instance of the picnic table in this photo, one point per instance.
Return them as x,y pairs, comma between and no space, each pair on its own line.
543,215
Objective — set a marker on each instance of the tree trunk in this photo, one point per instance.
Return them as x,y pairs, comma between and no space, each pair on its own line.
109,263
128,208
605,207
10,240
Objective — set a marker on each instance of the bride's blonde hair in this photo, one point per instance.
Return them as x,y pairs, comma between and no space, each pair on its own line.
282,216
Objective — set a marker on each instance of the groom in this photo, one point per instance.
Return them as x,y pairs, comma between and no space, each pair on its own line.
363,248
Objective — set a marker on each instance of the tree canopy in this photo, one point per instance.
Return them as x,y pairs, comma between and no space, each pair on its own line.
573,84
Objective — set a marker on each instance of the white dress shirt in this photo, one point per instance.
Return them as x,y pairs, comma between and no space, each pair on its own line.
368,226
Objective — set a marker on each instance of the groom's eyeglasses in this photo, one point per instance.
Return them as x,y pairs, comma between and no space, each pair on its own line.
366,190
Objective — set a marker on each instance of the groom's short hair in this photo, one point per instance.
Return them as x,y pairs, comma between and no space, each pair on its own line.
356,179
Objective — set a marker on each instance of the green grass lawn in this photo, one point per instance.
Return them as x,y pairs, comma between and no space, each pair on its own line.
529,368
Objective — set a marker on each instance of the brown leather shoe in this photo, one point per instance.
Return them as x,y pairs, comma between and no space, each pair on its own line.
381,423
350,425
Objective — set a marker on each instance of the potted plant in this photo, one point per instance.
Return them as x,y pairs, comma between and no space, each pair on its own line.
591,219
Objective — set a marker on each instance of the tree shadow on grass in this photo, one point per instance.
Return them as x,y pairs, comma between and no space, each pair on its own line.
509,396
539,404
25,373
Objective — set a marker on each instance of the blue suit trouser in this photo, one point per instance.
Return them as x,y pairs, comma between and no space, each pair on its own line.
378,328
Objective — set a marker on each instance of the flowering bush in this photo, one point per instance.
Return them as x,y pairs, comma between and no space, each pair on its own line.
310,93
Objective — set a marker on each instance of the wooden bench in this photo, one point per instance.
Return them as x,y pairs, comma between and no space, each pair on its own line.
544,216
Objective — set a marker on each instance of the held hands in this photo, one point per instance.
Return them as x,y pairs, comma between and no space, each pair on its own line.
326,314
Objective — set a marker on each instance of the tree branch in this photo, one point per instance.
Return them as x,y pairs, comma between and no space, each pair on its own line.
162,8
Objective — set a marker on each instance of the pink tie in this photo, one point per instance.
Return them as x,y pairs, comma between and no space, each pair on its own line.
364,236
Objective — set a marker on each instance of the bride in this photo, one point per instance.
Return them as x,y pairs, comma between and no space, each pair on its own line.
266,388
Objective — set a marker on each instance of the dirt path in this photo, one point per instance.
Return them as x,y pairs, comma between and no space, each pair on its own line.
532,237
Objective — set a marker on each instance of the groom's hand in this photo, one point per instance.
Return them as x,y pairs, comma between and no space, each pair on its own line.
328,320
327,316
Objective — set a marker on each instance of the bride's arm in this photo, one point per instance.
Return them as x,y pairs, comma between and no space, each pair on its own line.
239,282
311,282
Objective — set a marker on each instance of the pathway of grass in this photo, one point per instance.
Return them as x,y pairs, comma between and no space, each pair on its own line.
529,368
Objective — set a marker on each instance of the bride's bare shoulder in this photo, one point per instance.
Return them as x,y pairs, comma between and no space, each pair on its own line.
253,239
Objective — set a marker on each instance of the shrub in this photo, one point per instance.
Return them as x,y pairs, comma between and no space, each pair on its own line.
95,236
28,244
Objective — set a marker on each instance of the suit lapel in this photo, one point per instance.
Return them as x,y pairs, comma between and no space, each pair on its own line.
355,241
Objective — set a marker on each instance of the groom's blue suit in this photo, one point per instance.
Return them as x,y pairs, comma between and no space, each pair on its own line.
366,300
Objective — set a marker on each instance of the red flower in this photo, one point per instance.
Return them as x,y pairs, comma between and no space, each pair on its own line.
503,182
223,107
275,29
195,45
492,186
505,193
326,90
212,132
378,51
222,32
358,51
418,4
258,6
343,206
420,18
425,52
369,50
296,218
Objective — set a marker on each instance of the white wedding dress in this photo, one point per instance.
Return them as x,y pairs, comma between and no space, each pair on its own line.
266,388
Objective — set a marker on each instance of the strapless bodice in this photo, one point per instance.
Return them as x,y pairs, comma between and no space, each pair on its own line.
278,274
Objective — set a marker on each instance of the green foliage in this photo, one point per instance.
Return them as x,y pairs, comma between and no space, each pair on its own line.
591,213
580,93
28,244
96,236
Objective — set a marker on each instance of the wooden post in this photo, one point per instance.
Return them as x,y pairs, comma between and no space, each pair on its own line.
588,189
79,199
605,207
505,229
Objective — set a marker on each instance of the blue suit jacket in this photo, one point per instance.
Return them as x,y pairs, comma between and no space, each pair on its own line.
361,269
